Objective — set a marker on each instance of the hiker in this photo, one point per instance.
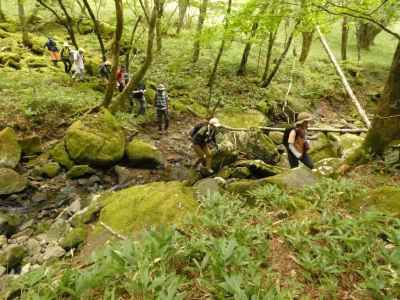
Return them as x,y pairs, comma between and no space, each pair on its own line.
105,70
122,76
138,95
66,57
51,45
202,136
161,103
78,64
296,143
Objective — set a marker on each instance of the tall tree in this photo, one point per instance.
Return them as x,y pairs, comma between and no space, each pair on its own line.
119,12
159,32
366,34
199,30
345,37
271,41
25,35
183,6
246,51
96,27
307,38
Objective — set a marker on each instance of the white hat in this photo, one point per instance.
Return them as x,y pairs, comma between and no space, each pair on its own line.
81,50
161,87
214,122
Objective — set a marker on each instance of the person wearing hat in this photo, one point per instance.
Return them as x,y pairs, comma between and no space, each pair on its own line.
202,136
66,57
78,64
297,144
105,70
161,103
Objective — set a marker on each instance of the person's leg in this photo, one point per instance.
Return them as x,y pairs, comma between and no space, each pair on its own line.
166,120
208,155
293,161
306,159
81,74
69,64
200,153
159,119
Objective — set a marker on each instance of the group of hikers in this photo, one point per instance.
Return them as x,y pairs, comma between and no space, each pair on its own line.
203,135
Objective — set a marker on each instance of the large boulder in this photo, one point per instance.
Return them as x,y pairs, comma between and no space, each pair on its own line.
143,206
10,150
60,155
96,140
294,179
11,182
30,145
327,145
349,143
143,155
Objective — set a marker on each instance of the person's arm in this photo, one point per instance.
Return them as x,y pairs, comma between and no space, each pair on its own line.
291,141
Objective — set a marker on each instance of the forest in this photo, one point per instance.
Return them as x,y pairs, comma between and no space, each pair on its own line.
198,149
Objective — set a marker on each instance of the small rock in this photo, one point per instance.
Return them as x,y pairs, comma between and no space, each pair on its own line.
49,170
26,232
79,171
94,179
11,182
58,229
53,252
73,238
22,239
39,197
10,151
75,206
207,187
30,145
33,246
26,269
27,224
83,181
123,174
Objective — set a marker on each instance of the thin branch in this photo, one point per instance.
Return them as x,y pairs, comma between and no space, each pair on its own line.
146,15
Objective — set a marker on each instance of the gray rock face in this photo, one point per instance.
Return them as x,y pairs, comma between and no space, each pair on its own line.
53,251
11,182
10,151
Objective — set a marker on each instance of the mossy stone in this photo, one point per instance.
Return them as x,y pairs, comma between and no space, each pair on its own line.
50,169
87,215
142,154
11,182
30,145
153,204
243,186
247,119
73,238
325,146
12,256
294,179
79,171
60,155
9,26
276,137
240,172
10,150
96,140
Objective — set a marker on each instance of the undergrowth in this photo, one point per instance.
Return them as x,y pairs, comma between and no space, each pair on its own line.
226,252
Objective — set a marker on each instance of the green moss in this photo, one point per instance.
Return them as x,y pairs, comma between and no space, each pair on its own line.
248,119
50,169
241,172
142,154
358,157
10,150
12,256
326,146
243,186
11,182
96,140
30,145
294,179
385,198
148,205
79,171
9,27
73,238
60,155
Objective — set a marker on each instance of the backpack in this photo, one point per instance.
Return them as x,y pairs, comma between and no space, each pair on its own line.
285,139
195,129
66,53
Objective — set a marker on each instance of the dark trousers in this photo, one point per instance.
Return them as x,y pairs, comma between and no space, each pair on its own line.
67,65
163,119
294,161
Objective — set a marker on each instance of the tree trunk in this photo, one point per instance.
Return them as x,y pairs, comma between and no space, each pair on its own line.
69,22
366,34
183,5
128,53
271,41
345,37
386,124
246,51
2,15
271,76
306,46
119,11
159,25
96,29
200,23
34,13
221,48
25,35
138,77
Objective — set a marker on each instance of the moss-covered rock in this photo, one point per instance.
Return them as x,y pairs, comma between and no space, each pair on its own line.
391,154
327,145
258,168
88,214
9,26
73,238
10,150
96,140
386,199
208,186
49,170
294,179
30,145
9,223
11,182
79,171
148,205
12,256
240,172
276,137
10,59
244,186
242,119
60,155
328,166
349,142
144,155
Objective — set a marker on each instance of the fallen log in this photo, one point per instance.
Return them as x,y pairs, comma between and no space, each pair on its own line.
338,130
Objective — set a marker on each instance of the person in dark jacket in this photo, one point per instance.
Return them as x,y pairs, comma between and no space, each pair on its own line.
139,96
203,136
66,55
51,45
161,104
105,70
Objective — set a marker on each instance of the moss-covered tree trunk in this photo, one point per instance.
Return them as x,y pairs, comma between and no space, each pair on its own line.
366,34
246,51
25,35
119,12
96,27
200,24
386,124
306,45
345,37
271,42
